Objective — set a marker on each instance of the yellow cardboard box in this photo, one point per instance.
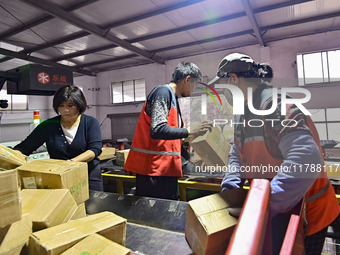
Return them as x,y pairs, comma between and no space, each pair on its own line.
13,237
80,212
58,239
213,147
107,153
97,244
10,159
10,202
48,207
121,156
56,174
209,225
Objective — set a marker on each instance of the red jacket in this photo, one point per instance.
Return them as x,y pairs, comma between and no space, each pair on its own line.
322,206
155,157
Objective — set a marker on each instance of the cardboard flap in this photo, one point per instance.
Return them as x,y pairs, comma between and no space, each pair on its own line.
218,201
10,202
10,159
77,229
51,166
17,236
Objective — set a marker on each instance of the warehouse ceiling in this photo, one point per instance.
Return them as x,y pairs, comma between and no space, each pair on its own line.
92,36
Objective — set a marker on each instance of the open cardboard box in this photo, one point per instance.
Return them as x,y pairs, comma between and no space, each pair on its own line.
10,159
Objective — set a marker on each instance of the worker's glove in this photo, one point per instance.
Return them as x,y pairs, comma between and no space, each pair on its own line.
235,211
200,129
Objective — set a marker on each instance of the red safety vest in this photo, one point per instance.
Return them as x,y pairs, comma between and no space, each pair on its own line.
155,157
322,206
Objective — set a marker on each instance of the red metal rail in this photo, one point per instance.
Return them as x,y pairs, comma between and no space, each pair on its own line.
251,229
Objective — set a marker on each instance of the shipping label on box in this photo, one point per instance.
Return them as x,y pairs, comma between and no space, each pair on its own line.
15,236
58,239
209,225
213,147
10,159
56,174
10,202
97,244
121,156
48,207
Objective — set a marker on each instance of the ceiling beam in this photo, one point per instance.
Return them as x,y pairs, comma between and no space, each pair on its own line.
179,29
300,21
84,33
42,19
155,35
245,32
143,16
46,45
171,47
229,48
22,56
280,5
56,11
250,14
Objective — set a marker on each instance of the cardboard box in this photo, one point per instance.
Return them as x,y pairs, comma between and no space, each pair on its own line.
97,244
58,239
10,202
48,207
56,174
107,153
209,225
15,236
121,156
213,147
80,212
10,159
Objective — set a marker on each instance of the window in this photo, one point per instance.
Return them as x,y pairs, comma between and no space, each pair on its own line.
327,122
128,91
318,67
15,102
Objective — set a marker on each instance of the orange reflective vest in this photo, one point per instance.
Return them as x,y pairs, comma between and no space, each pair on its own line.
322,206
155,157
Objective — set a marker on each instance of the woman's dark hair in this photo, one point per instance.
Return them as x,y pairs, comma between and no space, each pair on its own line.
72,93
184,69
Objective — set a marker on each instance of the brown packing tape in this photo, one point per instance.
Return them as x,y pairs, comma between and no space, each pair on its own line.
58,239
97,244
10,202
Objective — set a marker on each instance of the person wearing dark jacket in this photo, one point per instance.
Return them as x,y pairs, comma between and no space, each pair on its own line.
71,135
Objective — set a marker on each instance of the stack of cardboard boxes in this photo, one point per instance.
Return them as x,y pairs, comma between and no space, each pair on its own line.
48,215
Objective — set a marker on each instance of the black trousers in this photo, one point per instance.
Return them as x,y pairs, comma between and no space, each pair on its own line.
157,186
313,243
